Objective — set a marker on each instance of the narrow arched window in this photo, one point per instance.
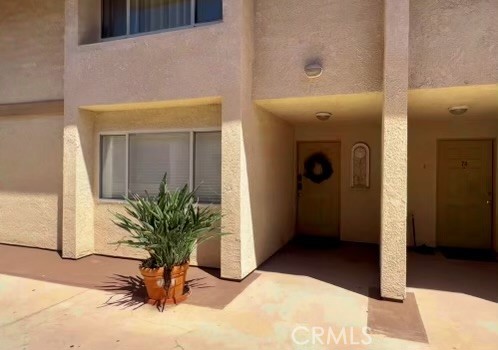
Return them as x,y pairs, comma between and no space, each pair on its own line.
360,166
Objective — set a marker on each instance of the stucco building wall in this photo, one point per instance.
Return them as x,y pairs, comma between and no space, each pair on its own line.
196,117
269,194
453,43
31,180
257,52
290,33
119,71
31,50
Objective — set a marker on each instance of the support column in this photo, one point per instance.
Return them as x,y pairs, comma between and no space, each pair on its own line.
77,201
394,151
237,249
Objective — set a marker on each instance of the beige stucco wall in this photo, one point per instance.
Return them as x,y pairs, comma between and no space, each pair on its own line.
393,200
360,208
422,165
31,50
268,188
31,180
77,202
119,71
346,36
237,249
197,117
453,43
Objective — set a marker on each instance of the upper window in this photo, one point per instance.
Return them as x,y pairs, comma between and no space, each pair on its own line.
136,163
129,17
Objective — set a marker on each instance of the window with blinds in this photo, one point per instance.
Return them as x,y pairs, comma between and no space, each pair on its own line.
129,17
152,155
135,163
113,165
207,174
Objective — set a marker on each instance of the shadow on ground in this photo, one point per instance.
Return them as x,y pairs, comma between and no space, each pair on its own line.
204,284
130,292
356,267
351,266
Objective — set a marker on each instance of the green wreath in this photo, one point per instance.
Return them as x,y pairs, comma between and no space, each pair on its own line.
310,167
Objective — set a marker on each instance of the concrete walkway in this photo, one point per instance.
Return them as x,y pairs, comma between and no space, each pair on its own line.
274,311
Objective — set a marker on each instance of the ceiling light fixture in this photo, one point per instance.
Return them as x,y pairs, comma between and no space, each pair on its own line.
323,116
458,110
313,70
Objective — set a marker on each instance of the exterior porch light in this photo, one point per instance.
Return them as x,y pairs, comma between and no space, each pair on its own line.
323,116
458,110
313,70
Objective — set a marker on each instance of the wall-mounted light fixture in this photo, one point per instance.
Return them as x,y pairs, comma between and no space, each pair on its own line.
458,110
313,70
323,116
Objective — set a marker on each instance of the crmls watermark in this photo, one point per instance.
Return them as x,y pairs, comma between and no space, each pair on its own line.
304,335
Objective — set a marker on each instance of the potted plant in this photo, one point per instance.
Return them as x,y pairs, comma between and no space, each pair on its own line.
168,227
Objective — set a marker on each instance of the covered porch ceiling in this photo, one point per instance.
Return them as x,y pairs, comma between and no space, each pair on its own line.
423,104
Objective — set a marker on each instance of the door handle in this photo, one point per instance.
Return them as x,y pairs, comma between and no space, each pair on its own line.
489,201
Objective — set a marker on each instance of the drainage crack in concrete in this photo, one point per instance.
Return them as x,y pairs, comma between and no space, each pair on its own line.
40,311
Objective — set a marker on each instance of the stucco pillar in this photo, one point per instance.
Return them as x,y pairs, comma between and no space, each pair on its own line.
237,248
394,151
77,200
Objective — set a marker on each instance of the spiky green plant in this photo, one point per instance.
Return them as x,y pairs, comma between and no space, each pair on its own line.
168,226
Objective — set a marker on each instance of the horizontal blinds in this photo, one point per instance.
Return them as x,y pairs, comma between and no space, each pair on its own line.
113,165
153,155
207,174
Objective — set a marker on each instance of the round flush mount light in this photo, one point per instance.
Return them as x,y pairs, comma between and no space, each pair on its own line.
458,110
313,70
323,116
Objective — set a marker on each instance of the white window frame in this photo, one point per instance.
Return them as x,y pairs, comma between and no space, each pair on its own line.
192,24
127,134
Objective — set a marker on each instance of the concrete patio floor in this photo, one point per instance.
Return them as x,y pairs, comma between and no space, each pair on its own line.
327,288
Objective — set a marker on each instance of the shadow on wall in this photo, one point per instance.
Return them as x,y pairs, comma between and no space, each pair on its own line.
31,180
270,147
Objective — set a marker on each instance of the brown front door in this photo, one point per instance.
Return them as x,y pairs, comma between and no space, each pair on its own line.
465,194
318,188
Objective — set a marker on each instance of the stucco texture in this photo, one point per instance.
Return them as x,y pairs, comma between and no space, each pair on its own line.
289,34
31,180
268,186
394,151
118,71
453,43
105,231
31,50
237,249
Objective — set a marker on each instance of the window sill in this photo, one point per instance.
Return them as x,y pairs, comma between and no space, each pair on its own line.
103,41
102,201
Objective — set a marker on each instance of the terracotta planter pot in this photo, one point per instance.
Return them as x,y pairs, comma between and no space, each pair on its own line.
166,286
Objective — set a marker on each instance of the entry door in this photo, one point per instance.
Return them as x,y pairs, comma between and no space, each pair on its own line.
318,194
465,194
